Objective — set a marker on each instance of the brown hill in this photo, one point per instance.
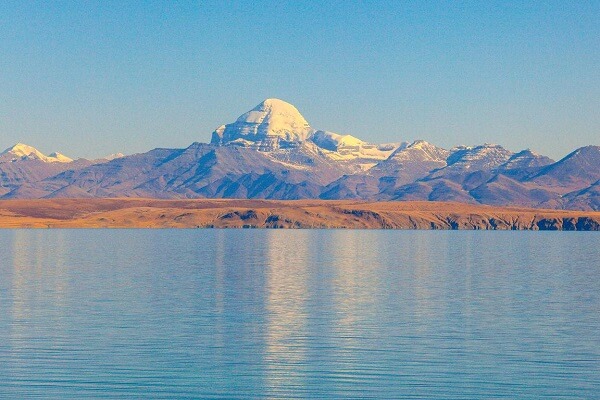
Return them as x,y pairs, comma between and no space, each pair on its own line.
152,213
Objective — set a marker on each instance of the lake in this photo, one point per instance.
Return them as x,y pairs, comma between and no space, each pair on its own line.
299,314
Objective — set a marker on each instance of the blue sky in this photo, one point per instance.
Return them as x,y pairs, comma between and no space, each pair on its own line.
91,78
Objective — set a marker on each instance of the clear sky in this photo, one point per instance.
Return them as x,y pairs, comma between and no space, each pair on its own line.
90,78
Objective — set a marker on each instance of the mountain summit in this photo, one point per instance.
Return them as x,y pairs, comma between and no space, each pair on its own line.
275,124
271,123
24,151
271,152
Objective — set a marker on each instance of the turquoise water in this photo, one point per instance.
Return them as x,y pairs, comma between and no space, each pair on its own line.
299,314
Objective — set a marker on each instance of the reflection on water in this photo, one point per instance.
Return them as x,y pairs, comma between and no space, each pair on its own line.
285,311
312,314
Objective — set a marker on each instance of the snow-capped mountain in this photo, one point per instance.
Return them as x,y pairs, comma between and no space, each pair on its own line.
22,151
420,150
277,125
484,157
526,159
273,152
333,141
114,156
22,167
271,124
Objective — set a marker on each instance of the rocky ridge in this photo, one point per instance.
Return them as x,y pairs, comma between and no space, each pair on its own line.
272,152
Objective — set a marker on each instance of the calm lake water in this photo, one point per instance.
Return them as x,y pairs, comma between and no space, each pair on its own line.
300,314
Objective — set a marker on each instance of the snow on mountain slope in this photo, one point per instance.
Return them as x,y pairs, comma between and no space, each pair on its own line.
272,152
22,167
332,141
484,157
471,166
271,119
420,150
524,164
111,157
411,162
406,164
58,157
22,151
275,124
526,159
347,147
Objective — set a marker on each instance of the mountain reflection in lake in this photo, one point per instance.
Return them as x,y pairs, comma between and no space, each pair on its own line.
313,314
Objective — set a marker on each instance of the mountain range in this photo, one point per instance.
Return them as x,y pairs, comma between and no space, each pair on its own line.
272,152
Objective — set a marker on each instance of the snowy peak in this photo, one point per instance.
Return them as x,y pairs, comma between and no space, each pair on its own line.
484,157
348,148
276,117
275,124
526,159
268,123
333,141
420,150
111,157
59,157
21,151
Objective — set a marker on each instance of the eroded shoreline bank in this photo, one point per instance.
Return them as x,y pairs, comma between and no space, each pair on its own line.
302,214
